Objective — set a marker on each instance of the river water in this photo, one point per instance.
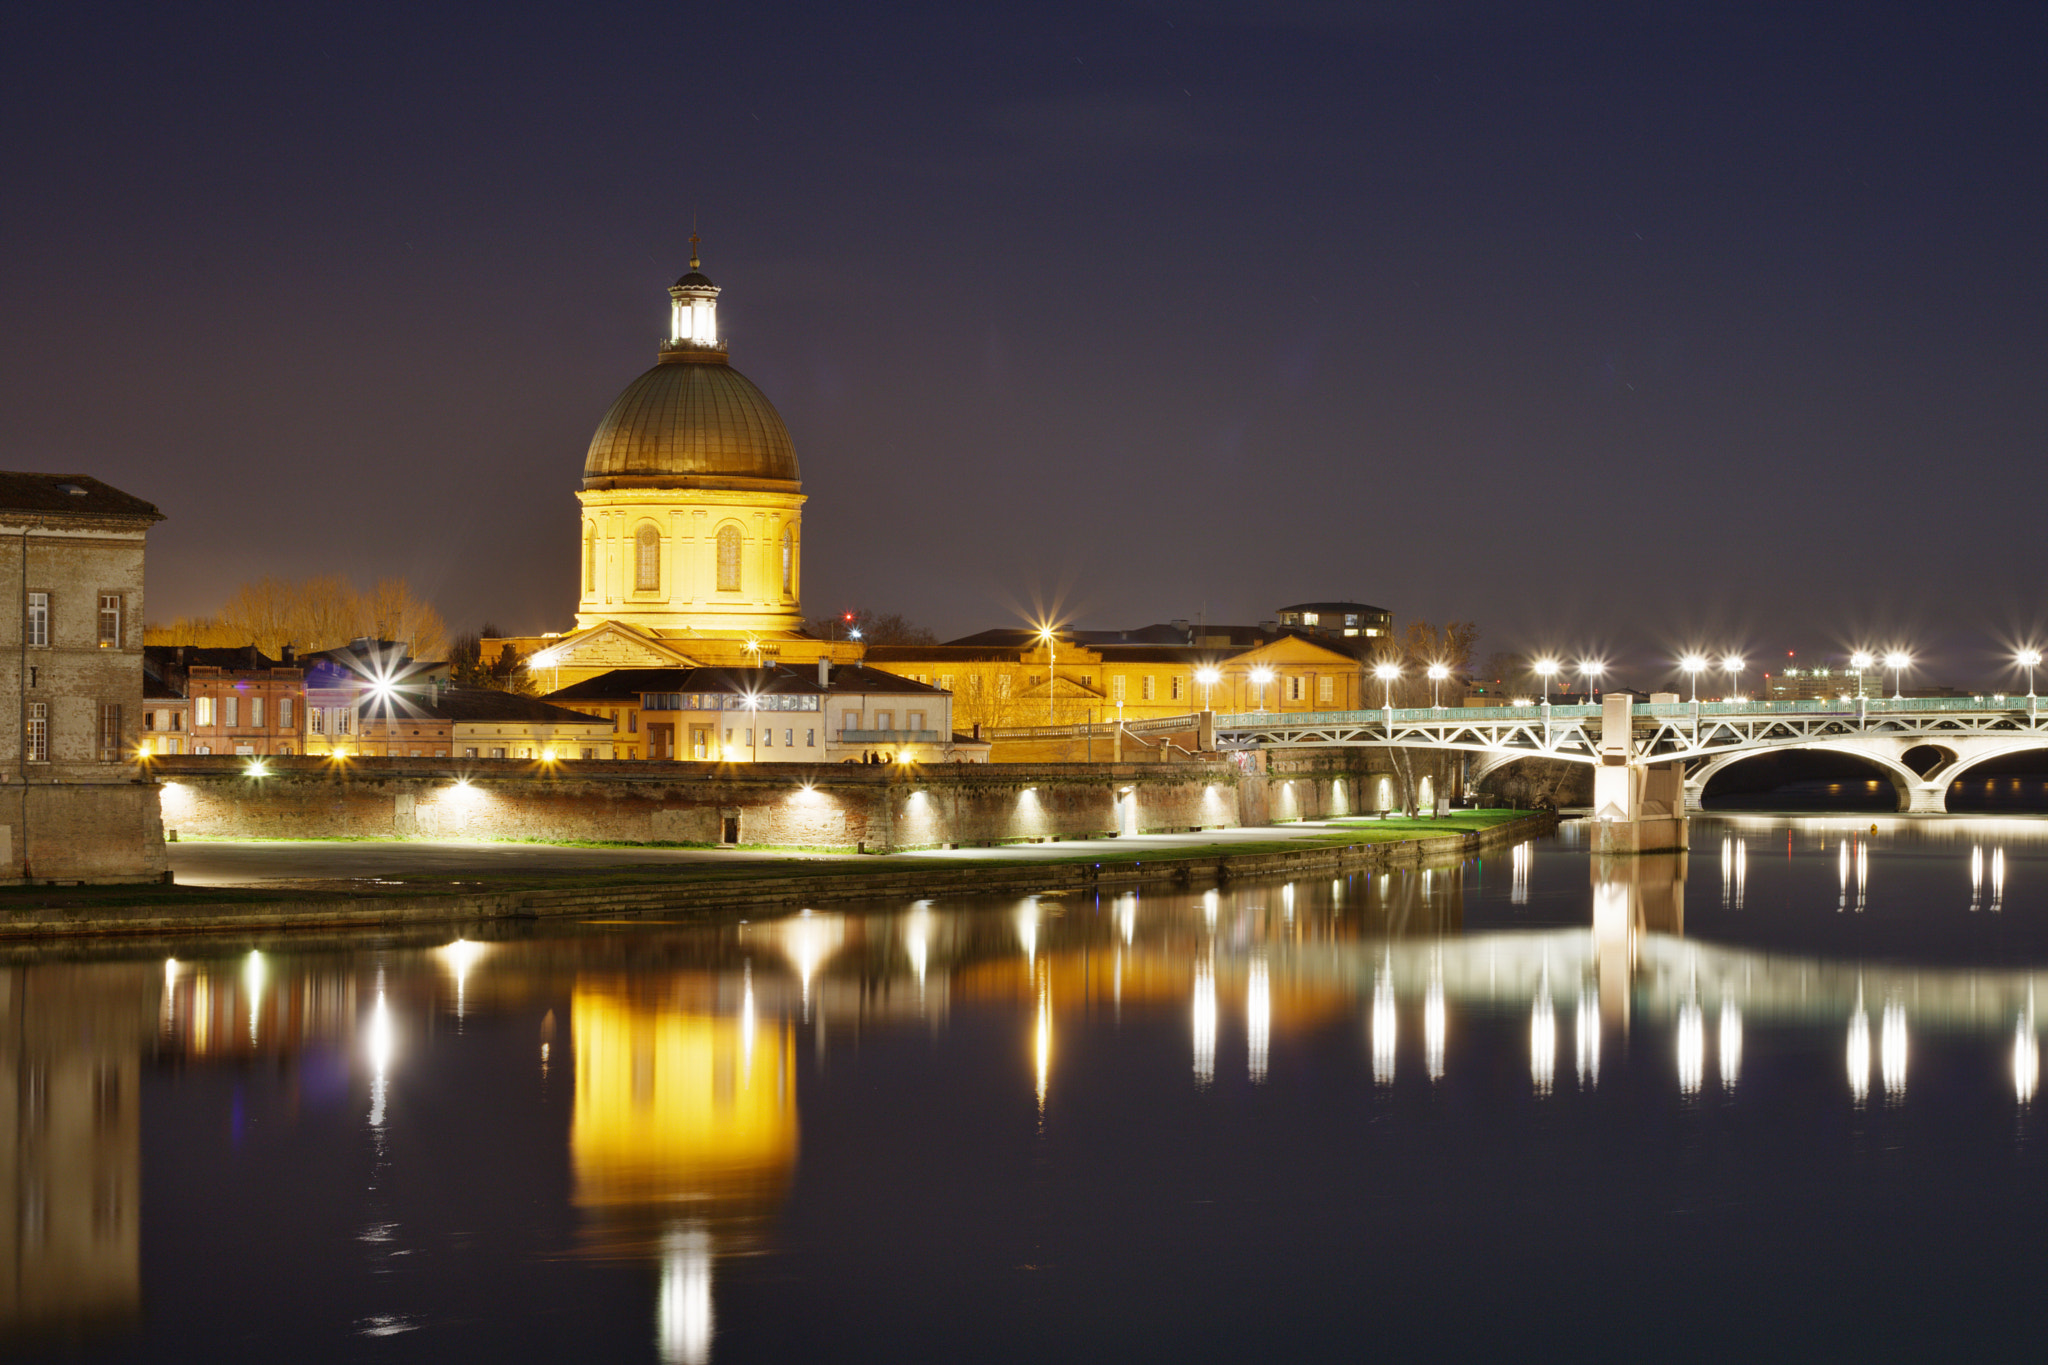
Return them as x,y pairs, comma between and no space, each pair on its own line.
1776,1100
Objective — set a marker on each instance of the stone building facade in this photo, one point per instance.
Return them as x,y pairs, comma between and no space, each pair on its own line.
236,701
74,802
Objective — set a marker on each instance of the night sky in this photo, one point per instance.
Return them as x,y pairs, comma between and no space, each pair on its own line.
1617,327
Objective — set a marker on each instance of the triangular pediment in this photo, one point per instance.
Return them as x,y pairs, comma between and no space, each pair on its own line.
614,645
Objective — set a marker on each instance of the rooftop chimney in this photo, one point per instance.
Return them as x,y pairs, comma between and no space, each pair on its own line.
824,671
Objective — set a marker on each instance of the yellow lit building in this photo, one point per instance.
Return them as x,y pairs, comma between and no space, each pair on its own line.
690,550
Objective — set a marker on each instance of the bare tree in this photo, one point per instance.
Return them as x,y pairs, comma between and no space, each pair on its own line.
876,628
1414,650
319,613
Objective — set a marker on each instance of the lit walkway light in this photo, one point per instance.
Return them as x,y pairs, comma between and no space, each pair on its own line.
2029,659
1208,678
1694,665
1546,669
1386,673
1733,666
1860,661
1589,676
1437,674
1898,661
1262,676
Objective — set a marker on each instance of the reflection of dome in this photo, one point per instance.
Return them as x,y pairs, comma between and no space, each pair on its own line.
693,414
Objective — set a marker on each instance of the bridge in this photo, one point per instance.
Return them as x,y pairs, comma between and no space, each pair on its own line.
1695,739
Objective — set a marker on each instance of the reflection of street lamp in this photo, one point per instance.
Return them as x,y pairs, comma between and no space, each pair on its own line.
1898,661
2029,659
1694,665
1386,673
1732,666
1589,675
1546,669
1262,676
1860,661
1437,674
1207,677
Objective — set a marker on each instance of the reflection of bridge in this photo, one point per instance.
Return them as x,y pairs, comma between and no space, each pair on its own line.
1960,732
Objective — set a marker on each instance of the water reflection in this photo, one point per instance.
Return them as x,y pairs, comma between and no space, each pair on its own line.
687,1047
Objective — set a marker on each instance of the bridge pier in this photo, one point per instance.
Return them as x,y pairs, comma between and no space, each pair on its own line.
1638,806
1928,798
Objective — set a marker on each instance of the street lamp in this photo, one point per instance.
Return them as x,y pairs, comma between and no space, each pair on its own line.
1437,674
1898,661
1732,666
1860,661
1546,669
1052,667
1207,677
1386,673
1694,665
1589,674
1262,676
2029,659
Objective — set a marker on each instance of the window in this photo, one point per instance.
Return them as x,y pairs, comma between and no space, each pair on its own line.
1116,690
110,732
728,558
647,559
316,722
256,712
914,720
202,711
789,739
768,736
469,752
497,753
587,753
885,720
177,722
945,682
632,722
231,711
1174,684
589,558
284,713
1002,685
342,717
1145,688
788,562
810,739
37,746
1294,687
1326,688
110,620
38,624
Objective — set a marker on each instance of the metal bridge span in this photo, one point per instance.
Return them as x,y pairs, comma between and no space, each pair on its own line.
1704,736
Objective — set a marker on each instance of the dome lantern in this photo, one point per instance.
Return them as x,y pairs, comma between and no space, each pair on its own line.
693,309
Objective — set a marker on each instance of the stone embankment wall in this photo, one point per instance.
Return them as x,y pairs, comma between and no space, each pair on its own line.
787,805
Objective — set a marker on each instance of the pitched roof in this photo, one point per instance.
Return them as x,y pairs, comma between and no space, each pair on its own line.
70,495
242,658
622,684
474,704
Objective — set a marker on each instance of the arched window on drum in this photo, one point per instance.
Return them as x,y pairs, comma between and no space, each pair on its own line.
728,558
647,559
788,562
589,558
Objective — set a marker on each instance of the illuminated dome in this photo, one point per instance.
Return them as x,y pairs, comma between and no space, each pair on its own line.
691,416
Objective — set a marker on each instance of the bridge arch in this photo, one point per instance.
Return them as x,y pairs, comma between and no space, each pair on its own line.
1903,778
1988,753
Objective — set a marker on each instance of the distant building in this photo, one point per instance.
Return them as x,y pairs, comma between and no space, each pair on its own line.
773,715
372,683
1341,620
81,810
236,701
487,724
1831,679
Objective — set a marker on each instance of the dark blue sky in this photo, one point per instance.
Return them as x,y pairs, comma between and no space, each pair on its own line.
1623,326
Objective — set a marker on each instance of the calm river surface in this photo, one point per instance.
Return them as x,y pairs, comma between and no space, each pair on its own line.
1779,1101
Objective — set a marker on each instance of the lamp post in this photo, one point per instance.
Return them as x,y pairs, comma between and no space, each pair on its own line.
1694,665
1437,674
1898,661
1386,673
1207,678
1052,667
1732,666
1860,661
1546,669
1589,674
2029,659
1262,676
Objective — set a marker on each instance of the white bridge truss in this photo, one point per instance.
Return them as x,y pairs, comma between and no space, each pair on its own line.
1704,736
